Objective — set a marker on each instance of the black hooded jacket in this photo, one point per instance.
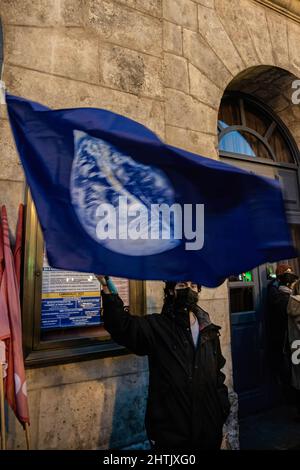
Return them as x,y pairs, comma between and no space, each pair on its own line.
187,400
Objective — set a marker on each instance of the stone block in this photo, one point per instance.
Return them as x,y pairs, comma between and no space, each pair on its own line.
10,165
96,369
29,12
43,13
293,44
184,111
203,88
72,12
231,14
153,7
125,27
196,142
154,296
93,414
70,52
213,32
130,71
176,72
28,47
57,92
206,3
278,33
198,52
255,19
182,12
172,38
218,310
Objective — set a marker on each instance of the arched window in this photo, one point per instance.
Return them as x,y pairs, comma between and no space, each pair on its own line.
249,129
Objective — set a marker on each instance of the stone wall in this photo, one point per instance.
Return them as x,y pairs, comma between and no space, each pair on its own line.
87,405
166,64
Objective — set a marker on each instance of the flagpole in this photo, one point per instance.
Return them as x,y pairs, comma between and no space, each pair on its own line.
2,413
27,434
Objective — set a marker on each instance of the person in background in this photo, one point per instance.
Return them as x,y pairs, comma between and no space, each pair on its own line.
187,399
293,311
278,297
273,285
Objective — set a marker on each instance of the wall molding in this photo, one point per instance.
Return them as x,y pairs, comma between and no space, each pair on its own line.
289,8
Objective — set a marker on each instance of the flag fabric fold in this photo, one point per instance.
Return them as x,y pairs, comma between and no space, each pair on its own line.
81,161
5,336
10,325
17,252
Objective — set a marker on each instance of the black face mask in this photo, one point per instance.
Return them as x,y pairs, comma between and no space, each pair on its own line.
185,298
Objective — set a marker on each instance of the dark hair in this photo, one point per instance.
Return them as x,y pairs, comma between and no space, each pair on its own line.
287,278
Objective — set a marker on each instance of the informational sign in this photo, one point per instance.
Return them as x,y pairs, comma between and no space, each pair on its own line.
69,298
72,299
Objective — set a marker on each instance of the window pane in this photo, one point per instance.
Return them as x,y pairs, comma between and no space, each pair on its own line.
258,120
229,113
281,150
255,119
243,143
241,299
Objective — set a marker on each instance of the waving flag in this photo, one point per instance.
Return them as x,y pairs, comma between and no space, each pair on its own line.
113,198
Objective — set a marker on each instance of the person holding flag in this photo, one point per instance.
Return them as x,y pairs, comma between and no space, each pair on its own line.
188,399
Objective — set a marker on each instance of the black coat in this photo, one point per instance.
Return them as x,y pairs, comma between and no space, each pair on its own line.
277,318
187,401
277,325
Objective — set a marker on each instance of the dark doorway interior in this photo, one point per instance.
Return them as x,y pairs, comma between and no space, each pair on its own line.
274,429
254,382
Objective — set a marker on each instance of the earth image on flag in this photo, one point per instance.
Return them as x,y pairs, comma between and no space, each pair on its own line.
100,175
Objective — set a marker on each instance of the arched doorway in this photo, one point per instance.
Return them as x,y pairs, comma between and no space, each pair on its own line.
253,137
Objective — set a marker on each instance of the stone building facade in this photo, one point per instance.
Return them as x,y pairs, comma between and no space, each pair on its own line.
166,64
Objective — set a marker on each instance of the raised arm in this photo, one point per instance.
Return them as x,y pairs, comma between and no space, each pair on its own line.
133,332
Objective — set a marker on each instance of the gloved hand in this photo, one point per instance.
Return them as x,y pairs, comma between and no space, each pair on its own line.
107,284
111,285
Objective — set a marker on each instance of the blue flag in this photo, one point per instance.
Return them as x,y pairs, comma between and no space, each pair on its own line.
112,198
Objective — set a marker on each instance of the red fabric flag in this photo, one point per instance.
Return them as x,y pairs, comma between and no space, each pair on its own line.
18,244
1,256
16,392
5,337
4,320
